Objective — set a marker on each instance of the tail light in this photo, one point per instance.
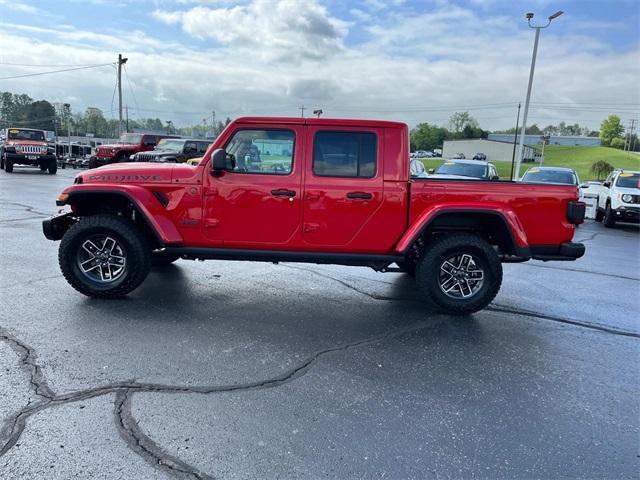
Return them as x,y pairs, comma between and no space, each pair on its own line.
575,212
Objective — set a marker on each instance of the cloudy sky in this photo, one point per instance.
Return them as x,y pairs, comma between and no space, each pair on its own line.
409,60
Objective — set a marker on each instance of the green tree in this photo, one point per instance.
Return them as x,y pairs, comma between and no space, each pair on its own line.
459,120
610,128
617,142
427,137
601,169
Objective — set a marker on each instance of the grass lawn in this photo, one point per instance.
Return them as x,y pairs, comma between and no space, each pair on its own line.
578,158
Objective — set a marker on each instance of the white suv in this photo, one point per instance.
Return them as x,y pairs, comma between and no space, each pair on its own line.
619,198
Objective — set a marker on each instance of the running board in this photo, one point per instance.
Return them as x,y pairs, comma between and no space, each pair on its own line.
377,262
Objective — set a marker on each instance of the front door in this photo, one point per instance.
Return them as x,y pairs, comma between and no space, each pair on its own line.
343,184
258,203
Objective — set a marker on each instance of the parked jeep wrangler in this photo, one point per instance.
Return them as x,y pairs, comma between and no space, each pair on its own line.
174,150
128,145
316,191
27,146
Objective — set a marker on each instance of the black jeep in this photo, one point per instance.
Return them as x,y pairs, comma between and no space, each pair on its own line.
174,150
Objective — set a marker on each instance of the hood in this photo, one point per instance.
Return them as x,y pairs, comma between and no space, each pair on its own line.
627,191
453,177
140,173
26,142
119,146
129,173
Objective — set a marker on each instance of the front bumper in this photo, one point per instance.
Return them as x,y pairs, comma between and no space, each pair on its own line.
627,214
55,227
566,251
23,158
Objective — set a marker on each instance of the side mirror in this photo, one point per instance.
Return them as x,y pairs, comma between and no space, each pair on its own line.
584,185
218,161
606,184
431,171
495,177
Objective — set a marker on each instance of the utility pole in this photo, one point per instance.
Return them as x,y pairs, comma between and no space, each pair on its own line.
126,109
531,70
633,137
121,61
302,109
515,142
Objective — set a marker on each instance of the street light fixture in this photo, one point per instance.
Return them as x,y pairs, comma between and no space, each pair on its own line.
529,17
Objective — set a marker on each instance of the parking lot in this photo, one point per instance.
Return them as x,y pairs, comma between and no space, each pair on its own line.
249,370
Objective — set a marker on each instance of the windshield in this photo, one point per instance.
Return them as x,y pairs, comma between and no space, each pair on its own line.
169,144
536,175
132,138
464,169
17,134
628,180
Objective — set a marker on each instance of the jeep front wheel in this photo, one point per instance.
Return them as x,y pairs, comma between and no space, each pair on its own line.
52,167
104,256
459,273
8,165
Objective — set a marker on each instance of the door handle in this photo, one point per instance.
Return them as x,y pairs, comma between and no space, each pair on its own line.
283,192
359,195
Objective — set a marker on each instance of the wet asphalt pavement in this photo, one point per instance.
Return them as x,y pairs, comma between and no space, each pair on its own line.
249,370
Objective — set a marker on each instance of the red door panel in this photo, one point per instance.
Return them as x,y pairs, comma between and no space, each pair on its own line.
337,207
255,207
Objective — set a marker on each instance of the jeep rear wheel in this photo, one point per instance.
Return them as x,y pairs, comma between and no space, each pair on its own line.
459,273
104,256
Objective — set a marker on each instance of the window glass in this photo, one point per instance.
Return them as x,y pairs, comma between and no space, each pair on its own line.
262,151
628,180
345,154
203,146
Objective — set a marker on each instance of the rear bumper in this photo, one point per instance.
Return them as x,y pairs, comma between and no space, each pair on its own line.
566,251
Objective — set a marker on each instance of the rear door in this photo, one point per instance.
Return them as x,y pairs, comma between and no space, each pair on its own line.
343,183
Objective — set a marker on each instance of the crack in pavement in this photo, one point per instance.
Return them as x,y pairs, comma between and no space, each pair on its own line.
491,307
128,427
613,275
27,208
145,447
27,357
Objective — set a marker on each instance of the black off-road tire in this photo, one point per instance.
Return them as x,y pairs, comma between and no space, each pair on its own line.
428,272
609,219
163,259
599,214
8,165
1,159
43,168
52,167
136,250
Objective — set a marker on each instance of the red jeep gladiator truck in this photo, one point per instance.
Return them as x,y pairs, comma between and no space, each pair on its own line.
310,190
128,144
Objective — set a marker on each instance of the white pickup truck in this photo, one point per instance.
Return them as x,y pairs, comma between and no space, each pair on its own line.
619,198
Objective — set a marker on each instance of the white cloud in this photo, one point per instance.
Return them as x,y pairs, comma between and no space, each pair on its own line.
284,30
18,6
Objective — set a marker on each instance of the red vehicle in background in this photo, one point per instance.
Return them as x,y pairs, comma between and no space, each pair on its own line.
317,191
129,144
29,147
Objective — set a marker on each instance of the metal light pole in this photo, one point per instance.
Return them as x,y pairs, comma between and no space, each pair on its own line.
533,67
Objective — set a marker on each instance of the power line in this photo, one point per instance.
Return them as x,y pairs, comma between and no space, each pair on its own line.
56,71
47,65
126,74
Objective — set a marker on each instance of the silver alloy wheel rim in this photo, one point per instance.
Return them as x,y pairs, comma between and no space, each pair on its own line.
101,259
460,277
